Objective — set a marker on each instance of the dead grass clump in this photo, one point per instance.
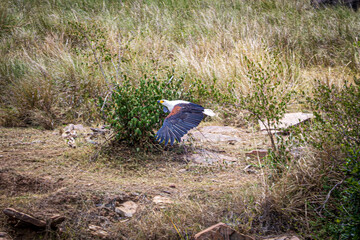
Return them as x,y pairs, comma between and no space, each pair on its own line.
300,193
271,219
184,218
48,63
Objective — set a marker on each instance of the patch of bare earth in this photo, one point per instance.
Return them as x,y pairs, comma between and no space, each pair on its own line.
174,193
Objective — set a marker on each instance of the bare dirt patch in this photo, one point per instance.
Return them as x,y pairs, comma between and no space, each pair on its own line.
12,183
40,174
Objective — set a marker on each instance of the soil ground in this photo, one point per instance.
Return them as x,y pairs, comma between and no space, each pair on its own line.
42,176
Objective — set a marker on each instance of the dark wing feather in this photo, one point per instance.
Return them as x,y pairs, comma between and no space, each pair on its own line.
182,118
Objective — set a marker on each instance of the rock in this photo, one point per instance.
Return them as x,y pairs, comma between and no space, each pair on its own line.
261,153
24,217
182,170
213,137
56,220
99,130
219,129
98,231
283,238
73,134
215,134
208,158
69,135
71,142
220,231
289,119
127,209
79,127
69,128
161,200
4,236
172,186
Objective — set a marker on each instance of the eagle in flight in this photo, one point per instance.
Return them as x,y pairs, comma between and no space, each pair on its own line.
183,117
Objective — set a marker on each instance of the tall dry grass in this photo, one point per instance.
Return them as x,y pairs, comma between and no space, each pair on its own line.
43,50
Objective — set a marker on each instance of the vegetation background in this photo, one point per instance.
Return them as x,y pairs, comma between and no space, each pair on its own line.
49,74
59,57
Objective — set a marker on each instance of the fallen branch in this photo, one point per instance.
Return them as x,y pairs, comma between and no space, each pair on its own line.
328,196
24,217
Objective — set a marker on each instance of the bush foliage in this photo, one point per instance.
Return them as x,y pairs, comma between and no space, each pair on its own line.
133,112
337,112
268,100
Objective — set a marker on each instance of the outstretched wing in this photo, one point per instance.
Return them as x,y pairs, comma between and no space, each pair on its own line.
182,118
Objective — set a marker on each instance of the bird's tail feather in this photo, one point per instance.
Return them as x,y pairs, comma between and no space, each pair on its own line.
209,112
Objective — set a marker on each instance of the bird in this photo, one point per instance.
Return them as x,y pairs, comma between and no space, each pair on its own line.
183,116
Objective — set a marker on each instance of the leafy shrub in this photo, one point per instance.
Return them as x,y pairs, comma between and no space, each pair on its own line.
133,111
337,112
269,96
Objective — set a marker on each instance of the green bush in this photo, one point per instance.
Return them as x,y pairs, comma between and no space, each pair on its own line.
269,96
133,112
337,122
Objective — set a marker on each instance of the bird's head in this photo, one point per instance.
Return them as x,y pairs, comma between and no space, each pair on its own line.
162,101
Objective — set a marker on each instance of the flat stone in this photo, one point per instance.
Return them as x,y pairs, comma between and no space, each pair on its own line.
219,129
70,134
214,137
162,200
207,157
220,231
79,127
283,238
69,128
98,231
289,119
127,209
65,135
